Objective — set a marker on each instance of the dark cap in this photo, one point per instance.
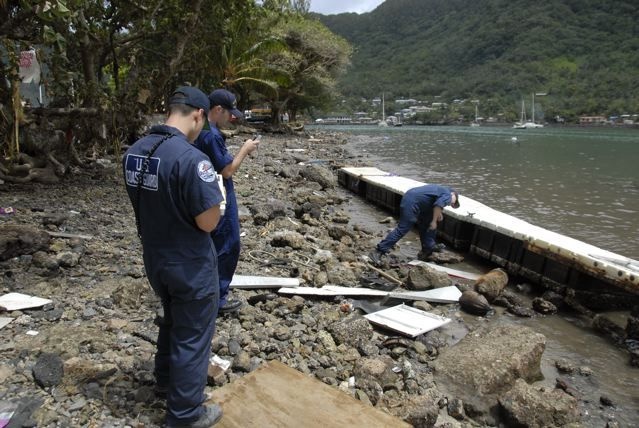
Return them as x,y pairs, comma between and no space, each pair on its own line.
190,96
225,99
456,204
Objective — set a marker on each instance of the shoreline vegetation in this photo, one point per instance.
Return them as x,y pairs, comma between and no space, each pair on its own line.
87,358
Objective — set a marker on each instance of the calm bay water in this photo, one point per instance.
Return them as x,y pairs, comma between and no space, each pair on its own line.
580,182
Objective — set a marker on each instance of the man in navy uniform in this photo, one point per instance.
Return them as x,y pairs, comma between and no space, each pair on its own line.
226,236
422,206
175,197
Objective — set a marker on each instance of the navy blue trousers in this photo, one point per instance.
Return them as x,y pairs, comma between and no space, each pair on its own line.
190,297
226,239
409,216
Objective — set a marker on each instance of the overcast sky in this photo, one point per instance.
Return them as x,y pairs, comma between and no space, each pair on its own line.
329,7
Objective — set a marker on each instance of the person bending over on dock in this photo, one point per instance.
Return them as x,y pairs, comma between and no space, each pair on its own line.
422,206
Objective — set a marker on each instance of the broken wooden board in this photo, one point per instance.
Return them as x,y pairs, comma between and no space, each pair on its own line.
18,301
250,281
407,320
449,294
276,395
451,272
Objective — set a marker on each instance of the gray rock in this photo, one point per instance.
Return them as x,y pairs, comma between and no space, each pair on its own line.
420,411
554,298
486,363
455,408
422,305
338,233
44,260
67,259
313,209
326,340
543,306
354,331
424,278
323,176
526,405
6,372
48,370
242,362
288,239
16,240
88,313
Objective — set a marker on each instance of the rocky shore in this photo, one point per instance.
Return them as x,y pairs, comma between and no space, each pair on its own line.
86,359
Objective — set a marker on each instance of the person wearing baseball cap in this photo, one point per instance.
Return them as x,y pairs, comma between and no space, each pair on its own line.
422,206
176,200
226,236
226,100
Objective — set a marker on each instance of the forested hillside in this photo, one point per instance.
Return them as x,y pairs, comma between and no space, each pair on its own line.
583,53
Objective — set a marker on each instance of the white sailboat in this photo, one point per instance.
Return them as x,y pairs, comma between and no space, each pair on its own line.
383,123
527,124
476,122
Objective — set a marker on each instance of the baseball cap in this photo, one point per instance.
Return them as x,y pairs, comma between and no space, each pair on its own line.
456,204
225,99
190,96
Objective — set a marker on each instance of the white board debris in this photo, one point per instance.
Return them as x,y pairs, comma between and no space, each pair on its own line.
451,272
406,320
18,301
4,321
449,294
249,281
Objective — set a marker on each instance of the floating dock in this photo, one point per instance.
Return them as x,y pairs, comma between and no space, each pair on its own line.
523,249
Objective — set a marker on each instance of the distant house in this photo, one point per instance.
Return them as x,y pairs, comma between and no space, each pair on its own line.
376,101
406,101
592,120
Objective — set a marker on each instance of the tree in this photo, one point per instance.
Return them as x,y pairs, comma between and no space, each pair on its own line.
314,59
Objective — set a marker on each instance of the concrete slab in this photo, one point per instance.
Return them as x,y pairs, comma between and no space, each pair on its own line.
276,395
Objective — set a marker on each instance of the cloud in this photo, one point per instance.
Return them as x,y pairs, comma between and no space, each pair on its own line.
329,7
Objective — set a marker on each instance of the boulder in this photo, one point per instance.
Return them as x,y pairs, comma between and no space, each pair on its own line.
48,370
474,303
424,278
323,176
288,239
486,363
17,240
420,411
353,331
491,284
529,406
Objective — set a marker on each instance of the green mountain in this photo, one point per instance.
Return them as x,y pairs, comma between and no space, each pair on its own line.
583,53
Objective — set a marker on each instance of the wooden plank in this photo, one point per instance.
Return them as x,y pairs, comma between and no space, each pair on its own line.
276,395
